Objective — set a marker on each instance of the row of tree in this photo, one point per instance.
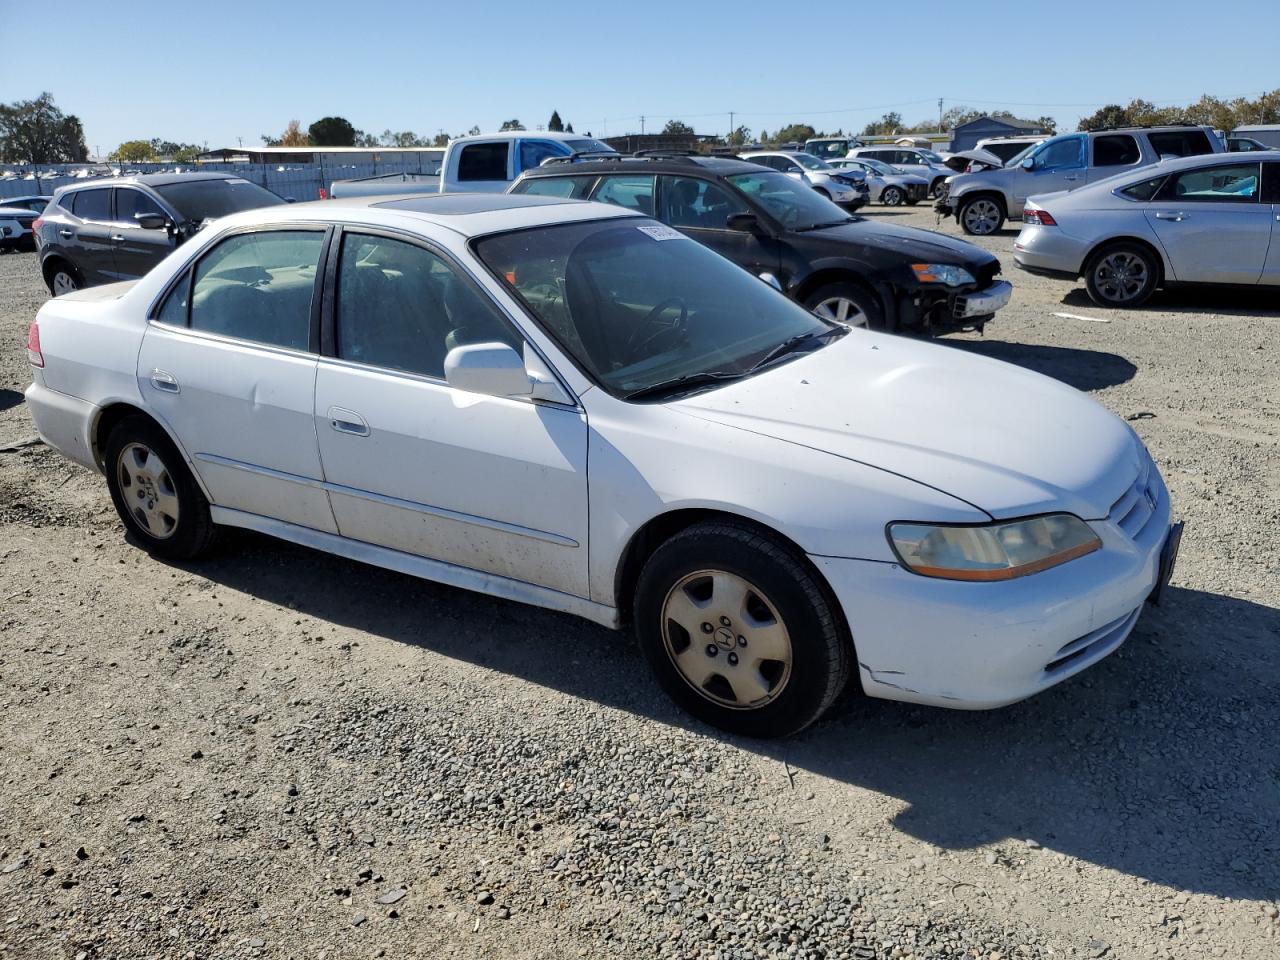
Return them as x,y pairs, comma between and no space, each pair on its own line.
36,131
340,132
1210,111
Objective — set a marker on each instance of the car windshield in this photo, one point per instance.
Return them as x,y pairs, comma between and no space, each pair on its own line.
931,156
644,309
879,166
795,205
200,200
588,145
809,161
1021,155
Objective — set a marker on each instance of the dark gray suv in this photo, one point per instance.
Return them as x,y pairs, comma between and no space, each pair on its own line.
108,230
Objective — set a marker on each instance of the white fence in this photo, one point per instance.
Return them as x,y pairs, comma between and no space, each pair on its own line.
298,181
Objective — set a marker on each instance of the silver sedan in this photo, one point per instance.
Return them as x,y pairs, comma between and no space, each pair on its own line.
1211,219
888,184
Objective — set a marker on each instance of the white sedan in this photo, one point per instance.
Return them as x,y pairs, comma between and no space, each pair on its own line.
571,405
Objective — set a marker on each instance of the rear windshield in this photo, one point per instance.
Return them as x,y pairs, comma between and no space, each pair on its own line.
199,200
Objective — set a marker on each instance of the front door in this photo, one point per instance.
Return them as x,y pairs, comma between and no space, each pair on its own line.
137,249
1057,165
701,209
1211,224
489,483
228,364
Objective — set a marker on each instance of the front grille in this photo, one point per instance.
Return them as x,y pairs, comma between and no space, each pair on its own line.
1093,645
1137,505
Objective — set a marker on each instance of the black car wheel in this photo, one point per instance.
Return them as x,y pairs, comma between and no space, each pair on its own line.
847,303
739,631
1122,275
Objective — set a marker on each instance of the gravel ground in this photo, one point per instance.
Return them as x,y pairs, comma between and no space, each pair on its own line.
276,753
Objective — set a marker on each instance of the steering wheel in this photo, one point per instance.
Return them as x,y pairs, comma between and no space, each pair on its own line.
637,342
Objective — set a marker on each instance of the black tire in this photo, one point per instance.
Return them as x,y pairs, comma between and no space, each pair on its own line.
821,651
981,216
192,532
936,188
867,302
893,196
1122,275
72,275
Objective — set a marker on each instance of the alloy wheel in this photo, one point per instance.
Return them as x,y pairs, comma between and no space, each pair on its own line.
64,282
1121,276
148,490
726,640
982,217
891,197
841,310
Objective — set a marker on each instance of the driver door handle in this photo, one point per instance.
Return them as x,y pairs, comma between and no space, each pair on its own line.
1170,215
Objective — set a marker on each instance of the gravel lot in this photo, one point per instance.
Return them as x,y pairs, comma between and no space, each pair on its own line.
282,754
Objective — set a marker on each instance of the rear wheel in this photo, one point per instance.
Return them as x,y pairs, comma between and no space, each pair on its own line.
739,632
63,278
847,303
892,196
1122,275
154,492
981,216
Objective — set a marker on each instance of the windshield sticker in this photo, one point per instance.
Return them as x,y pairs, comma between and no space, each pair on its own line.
660,232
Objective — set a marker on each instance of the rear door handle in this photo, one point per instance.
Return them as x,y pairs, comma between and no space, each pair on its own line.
1165,215
163,380
117,238
347,421
66,234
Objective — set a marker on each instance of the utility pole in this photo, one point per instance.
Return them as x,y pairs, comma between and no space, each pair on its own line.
939,114
731,128
642,124
240,140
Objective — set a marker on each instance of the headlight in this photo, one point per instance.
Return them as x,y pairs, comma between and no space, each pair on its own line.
947,273
995,551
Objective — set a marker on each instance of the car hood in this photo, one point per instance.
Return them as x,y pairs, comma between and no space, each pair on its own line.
1001,438
922,246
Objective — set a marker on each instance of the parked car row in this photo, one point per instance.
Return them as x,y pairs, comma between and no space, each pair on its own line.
17,214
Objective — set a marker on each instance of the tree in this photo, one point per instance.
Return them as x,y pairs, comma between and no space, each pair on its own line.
292,137
441,140
331,132
133,151
794,131
366,139
475,131
888,123
677,128
568,128
36,131
740,136
508,125
555,123
405,138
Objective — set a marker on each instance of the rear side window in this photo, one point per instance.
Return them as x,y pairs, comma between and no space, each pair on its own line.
633,193
1116,150
1144,190
1238,183
1180,143
92,204
1271,183
258,286
570,188
174,310
483,161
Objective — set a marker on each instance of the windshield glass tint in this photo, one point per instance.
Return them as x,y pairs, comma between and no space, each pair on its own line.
795,205
931,156
637,304
199,200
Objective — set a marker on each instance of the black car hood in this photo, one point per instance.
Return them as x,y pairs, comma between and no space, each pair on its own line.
921,246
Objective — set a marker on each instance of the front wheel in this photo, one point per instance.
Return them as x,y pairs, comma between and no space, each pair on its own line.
847,303
739,632
1122,275
154,492
981,217
892,196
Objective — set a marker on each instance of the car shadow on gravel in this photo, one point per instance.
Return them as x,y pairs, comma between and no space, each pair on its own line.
1255,303
9,398
1159,762
1082,369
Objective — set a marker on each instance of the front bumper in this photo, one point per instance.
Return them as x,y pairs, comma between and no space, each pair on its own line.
939,309
977,646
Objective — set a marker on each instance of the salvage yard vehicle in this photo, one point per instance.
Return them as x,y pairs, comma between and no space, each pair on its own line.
572,405
886,184
831,148
108,230
1199,220
848,189
923,163
487,163
854,271
17,215
981,202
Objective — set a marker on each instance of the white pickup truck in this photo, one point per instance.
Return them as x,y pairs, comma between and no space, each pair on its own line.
487,163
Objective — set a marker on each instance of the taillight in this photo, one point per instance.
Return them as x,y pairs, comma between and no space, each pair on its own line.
1040,218
34,356
36,224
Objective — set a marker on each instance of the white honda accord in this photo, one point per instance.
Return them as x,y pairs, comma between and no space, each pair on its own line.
571,405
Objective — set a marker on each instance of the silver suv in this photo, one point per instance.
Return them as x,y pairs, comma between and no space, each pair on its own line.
981,202
913,160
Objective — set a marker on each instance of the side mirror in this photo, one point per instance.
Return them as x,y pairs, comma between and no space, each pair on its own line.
493,369
1029,163
151,221
743,222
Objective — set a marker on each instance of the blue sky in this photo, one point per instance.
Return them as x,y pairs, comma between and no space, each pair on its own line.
220,70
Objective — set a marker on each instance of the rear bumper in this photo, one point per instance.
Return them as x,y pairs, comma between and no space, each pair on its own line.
1050,251
64,422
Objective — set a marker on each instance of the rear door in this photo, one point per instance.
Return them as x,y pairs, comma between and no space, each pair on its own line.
230,364
701,209
137,250
86,236
1212,225
1111,154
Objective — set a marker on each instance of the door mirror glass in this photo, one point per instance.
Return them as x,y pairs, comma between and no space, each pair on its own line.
493,369
744,222
151,221
1029,163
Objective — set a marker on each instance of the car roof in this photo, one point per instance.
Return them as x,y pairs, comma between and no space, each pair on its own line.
147,180
467,214
523,134
1209,159
722,166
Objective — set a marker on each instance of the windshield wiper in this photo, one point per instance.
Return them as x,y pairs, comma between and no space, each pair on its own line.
789,345
823,226
689,381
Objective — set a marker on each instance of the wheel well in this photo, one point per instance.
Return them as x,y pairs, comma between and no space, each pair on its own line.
107,420
823,277
51,262
1113,241
663,527
988,194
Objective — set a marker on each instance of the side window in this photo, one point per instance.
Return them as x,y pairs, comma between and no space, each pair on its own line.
570,188
403,307
1237,183
130,202
533,152
1180,143
174,309
1271,183
92,204
697,204
1061,155
907,157
1115,150
1144,190
634,193
258,286
483,161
